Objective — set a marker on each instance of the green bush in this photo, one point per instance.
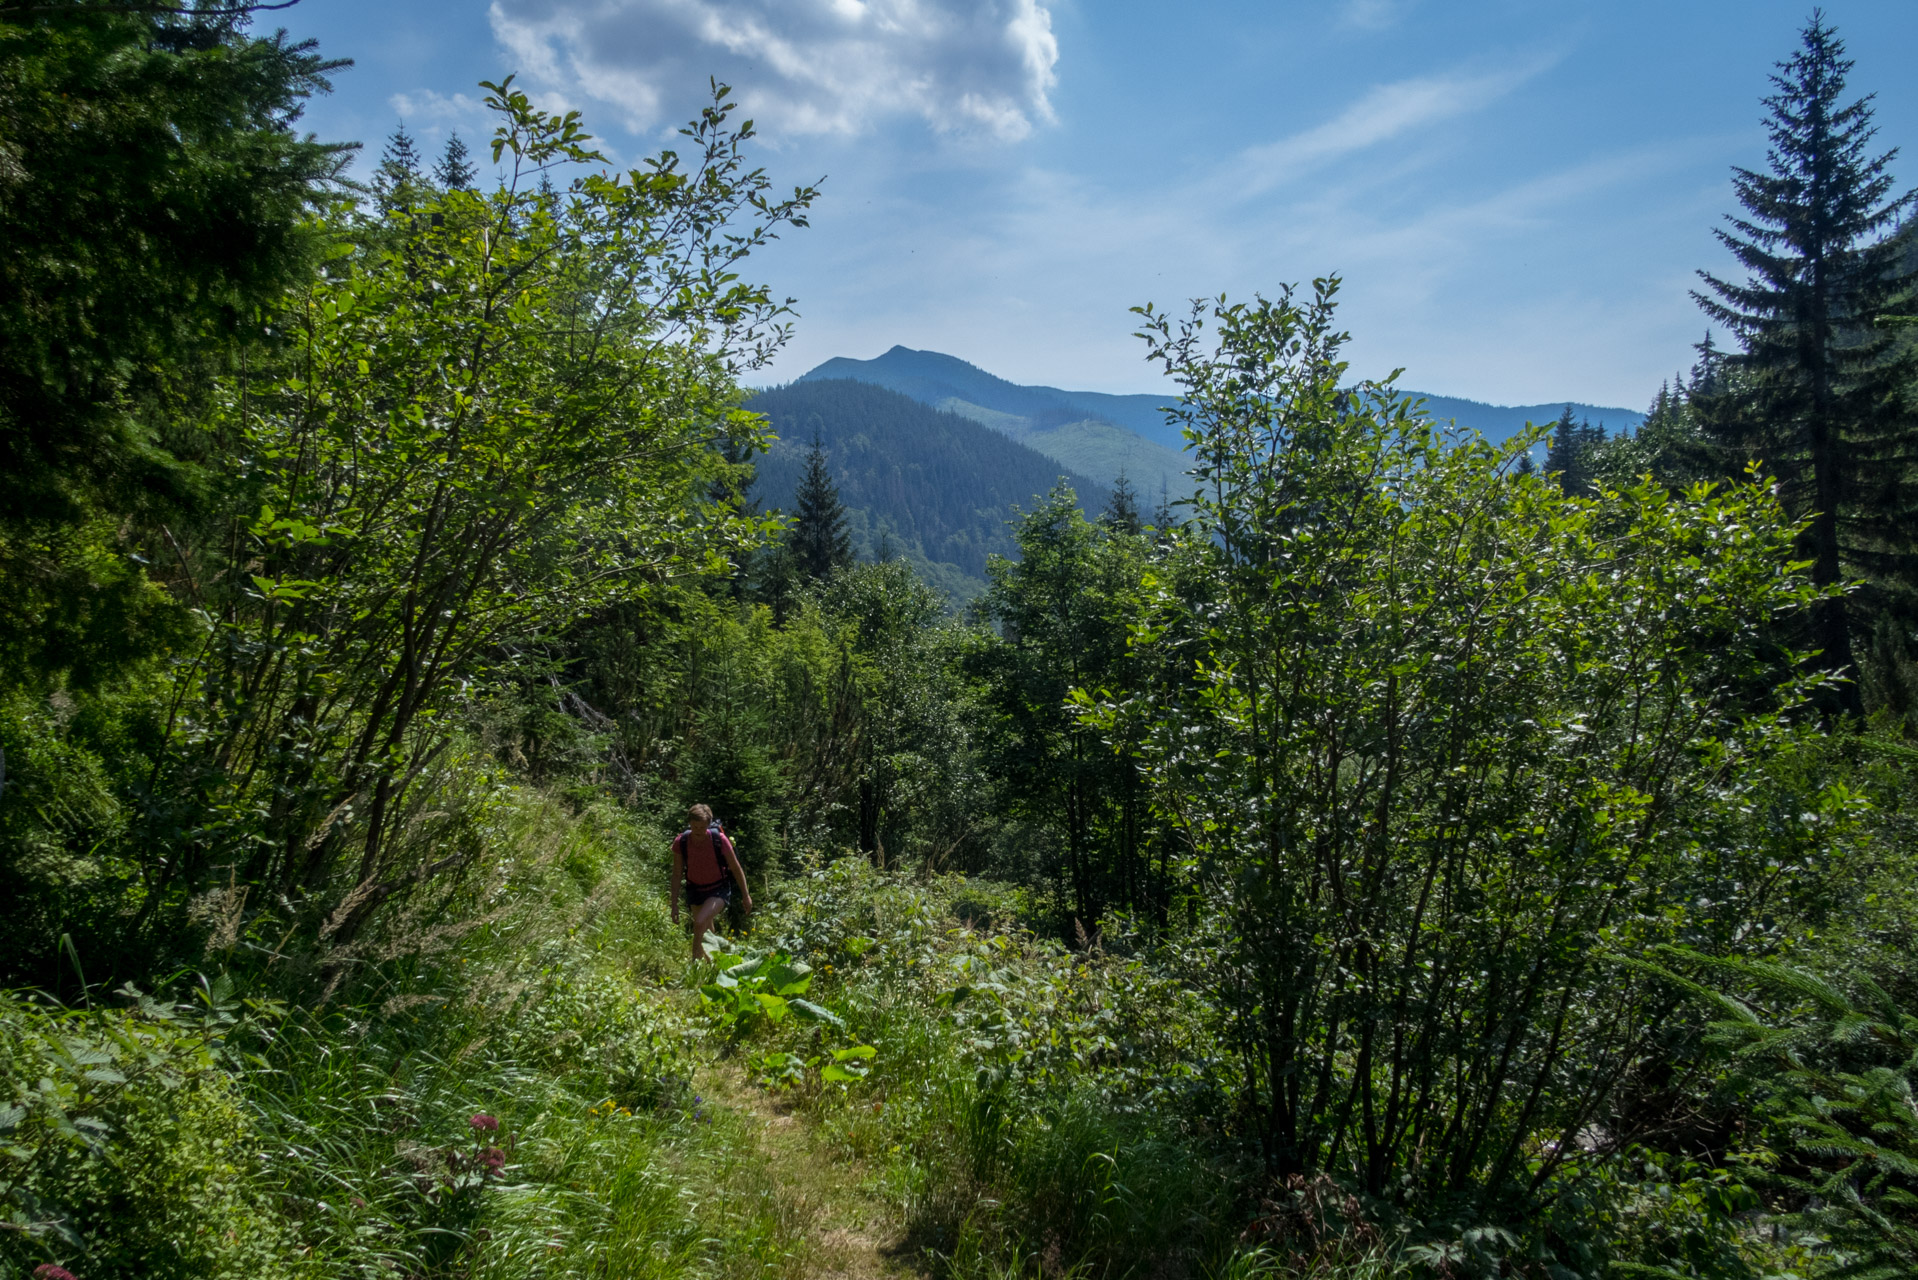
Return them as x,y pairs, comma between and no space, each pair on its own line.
59,822
128,1151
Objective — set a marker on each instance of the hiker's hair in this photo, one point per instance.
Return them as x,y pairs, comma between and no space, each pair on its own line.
703,812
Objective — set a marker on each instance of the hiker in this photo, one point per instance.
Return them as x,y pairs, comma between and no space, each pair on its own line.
704,860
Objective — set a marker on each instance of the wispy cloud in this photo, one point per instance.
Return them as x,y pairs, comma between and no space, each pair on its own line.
1035,274
432,118
977,68
435,108
1373,15
1385,112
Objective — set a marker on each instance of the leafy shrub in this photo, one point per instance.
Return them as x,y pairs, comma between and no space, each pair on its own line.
127,1149
1047,1102
59,822
1437,738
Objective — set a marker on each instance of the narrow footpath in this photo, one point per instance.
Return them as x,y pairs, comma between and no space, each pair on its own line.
851,1231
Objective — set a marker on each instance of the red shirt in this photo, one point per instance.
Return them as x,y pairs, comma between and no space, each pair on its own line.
703,860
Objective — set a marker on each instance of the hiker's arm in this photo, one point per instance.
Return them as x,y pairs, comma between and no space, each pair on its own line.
739,872
679,874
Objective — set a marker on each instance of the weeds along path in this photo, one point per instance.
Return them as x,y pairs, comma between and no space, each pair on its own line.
851,1231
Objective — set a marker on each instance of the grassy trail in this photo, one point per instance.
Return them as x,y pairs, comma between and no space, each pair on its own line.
851,1231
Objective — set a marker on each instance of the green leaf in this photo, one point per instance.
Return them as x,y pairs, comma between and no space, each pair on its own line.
811,1012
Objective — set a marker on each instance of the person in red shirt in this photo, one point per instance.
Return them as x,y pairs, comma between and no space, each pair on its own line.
705,863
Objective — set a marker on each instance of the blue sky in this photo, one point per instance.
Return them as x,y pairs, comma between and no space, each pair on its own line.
1516,192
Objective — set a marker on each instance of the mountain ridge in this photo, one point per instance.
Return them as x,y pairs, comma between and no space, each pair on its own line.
932,377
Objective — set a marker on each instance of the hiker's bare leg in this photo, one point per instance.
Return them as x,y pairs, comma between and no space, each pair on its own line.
703,916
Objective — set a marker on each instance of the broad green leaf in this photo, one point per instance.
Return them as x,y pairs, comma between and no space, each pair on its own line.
811,1012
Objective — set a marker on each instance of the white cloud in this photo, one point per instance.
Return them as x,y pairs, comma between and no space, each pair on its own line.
971,68
435,108
1385,112
431,118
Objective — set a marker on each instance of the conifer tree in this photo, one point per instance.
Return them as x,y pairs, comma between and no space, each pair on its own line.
1817,392
1561,453
1122,509
820,542
456,170
1666,442
154,211
399,170
1570,455
732,491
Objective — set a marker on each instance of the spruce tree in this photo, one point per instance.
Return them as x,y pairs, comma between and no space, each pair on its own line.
1122,509
732,491
1667,441
155,201
456,170
1816,394
821,545
399,173
1570,455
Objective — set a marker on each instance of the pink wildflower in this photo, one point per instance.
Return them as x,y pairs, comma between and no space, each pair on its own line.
493,1158
484,1121
47,1271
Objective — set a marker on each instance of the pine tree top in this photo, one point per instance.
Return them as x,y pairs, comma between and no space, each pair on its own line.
1808,239
1122,510
455,170
399,169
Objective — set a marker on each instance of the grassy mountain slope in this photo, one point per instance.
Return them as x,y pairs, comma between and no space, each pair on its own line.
1091,447
1009,423
936,486
1106,451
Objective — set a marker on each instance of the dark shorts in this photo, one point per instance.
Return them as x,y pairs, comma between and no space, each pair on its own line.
698,893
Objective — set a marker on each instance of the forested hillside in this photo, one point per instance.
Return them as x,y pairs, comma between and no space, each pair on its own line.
1412,862
933,487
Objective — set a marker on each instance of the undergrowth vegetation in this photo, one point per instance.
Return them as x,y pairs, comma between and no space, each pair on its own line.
519,1105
